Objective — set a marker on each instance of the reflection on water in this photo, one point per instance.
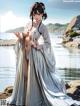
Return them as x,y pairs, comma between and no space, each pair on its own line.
69,74
67,63
7,66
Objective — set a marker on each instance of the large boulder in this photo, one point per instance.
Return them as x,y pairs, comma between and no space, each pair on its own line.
73,89
71,38
75,23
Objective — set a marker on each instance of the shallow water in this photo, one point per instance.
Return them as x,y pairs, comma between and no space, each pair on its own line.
67,63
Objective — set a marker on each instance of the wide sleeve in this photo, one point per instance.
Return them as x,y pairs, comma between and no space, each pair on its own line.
47,49
46,37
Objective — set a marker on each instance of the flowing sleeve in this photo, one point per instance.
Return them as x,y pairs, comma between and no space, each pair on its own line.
46,37
47,49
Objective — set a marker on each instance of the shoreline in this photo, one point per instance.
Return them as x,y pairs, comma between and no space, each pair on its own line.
71,45
11,42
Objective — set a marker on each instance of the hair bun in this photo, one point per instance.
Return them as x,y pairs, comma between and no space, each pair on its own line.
38,8
43,6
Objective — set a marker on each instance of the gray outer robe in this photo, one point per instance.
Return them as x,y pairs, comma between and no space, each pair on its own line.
43,87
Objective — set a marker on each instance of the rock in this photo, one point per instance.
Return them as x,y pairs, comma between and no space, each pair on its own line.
71,36
67,86
71,44
9,89
74,83
6,93
75,23
73,89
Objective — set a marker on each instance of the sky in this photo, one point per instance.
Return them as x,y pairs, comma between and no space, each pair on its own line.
15,13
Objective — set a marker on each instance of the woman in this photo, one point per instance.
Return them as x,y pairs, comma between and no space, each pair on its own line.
36,83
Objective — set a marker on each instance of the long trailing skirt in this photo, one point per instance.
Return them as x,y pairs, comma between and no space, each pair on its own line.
42,87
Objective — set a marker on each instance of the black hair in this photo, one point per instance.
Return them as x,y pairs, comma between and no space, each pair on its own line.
38,8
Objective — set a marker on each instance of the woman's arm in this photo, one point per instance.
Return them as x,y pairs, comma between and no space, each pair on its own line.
46,38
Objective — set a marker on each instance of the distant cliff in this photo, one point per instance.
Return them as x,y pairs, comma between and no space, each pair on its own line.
20,29
57,29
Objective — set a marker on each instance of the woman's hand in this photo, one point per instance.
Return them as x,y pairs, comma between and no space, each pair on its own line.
18,35
33,44
36,45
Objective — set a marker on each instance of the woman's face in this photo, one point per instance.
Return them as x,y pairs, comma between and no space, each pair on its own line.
37,17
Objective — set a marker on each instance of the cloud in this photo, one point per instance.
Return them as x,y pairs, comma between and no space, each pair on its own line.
64,4
10,21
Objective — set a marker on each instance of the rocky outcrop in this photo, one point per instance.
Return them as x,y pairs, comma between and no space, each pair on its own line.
6,93
75,23
71,36
73,89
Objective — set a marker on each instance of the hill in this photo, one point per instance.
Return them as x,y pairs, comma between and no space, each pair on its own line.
57,29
